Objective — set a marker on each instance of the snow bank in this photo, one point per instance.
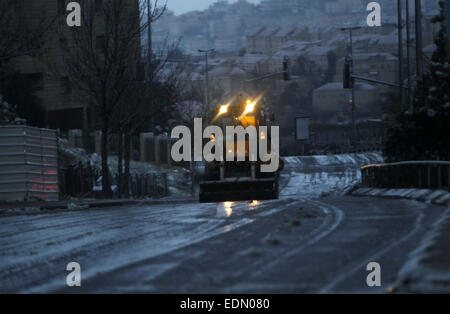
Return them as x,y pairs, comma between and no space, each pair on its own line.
316,176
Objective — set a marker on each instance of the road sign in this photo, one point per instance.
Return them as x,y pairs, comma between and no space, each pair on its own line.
302,128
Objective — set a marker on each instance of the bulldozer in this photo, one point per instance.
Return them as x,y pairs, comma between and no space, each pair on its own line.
231,181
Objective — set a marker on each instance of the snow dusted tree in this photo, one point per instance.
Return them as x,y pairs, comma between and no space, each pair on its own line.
424,133
8,114
102,60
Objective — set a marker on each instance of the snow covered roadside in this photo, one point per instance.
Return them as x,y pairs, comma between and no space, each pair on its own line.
428,268
317,176
439,197
87,204
178,179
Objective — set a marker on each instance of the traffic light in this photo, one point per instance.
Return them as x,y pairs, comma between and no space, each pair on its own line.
347,79
286,76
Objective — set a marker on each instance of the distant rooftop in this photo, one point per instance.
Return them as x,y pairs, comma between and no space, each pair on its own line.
222,71
339,86
373,55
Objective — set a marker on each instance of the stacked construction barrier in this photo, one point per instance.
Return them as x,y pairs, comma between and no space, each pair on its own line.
28,164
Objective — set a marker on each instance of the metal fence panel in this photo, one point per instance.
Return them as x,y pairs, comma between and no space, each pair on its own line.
28,164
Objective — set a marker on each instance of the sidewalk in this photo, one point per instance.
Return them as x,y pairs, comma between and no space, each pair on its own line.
18,208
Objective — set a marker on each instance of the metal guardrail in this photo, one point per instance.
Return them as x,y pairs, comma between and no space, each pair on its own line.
408,174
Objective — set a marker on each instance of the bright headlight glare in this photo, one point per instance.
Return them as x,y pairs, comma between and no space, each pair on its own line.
250,107
223,109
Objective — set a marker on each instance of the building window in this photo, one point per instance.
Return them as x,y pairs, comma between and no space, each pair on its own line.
65,86
140,71
99,6
64,44
61,7
37,80
100,43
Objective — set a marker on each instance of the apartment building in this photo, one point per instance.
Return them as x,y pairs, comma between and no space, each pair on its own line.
269,39
65,107
332,103
378,66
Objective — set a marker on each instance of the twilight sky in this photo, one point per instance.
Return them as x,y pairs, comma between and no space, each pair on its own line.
183,6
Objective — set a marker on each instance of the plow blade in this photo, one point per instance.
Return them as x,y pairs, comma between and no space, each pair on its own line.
238,189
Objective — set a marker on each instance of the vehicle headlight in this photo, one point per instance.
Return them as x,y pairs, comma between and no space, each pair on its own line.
223,109
249,107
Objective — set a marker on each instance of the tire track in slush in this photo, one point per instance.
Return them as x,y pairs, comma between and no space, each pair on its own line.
333,218
361,263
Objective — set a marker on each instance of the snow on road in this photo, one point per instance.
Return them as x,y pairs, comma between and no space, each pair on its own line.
36,249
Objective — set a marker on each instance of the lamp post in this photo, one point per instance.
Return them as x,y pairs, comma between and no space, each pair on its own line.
206,52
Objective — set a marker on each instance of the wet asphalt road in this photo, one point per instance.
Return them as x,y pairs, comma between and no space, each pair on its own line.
291,245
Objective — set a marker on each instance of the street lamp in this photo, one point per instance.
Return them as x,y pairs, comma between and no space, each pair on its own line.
206,52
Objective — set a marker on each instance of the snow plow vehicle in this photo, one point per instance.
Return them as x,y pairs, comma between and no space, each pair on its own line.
230,181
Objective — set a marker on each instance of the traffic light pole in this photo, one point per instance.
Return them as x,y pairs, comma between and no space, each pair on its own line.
206,52
352,85
285,73
363,78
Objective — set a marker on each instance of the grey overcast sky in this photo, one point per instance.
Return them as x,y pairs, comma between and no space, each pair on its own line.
183,6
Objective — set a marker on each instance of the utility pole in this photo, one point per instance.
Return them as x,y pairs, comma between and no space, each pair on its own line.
419,44
400,48
353,101
447,25
408,56
149,39
206,52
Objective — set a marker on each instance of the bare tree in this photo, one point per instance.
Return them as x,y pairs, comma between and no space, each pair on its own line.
106,50
192,104
21,35
149,100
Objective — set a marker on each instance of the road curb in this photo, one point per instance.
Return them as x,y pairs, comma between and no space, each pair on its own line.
24,208
119,203
439,197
